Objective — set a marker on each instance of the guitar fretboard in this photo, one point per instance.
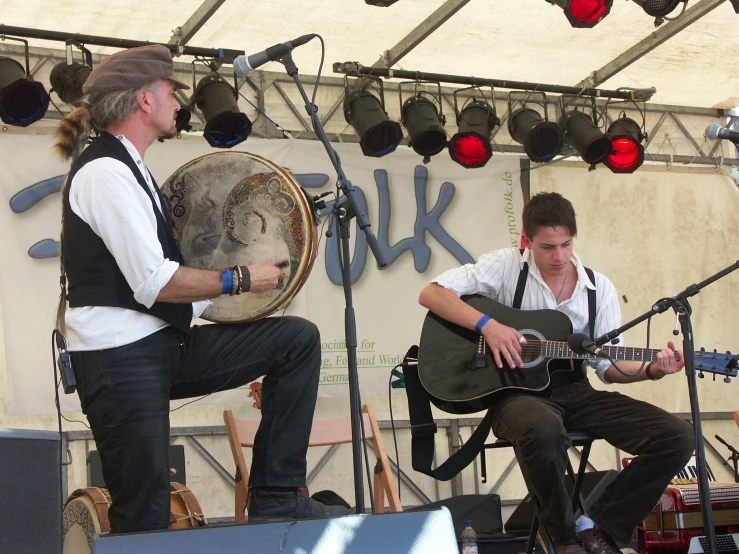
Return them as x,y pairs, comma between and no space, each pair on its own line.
558,349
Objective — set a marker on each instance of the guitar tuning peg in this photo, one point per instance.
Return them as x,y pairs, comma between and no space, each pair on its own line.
703,350
700,374
714,353
727,379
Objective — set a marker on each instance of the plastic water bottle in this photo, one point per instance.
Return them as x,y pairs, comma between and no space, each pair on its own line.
469,539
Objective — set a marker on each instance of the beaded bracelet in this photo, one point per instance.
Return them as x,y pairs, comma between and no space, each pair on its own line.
237,281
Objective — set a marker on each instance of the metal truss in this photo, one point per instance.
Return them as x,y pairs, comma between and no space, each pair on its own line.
675,132
451,427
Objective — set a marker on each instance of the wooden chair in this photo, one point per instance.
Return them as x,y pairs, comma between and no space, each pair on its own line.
327,431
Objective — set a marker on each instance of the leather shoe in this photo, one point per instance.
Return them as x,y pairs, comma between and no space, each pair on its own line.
271,504
597,541
573,546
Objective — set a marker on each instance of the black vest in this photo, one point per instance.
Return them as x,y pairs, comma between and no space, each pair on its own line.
94,278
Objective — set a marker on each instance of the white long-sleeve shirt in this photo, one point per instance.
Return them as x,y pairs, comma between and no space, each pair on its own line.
107,196
495,275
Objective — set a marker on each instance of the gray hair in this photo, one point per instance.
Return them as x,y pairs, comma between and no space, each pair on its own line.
96,112
107,108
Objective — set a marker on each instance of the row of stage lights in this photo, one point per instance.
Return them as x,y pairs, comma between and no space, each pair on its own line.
588,13
621,148
24,101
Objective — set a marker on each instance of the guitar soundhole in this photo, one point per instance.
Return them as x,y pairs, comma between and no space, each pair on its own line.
531,350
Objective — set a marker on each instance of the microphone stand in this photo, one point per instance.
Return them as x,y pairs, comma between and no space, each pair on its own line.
734,458
679,303
343,218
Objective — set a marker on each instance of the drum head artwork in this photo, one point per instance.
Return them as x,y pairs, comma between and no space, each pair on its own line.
236,208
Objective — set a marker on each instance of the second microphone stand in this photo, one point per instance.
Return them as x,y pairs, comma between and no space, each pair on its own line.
343,216
679,303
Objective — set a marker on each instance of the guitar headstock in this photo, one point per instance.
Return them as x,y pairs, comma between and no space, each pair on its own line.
717,363
255,392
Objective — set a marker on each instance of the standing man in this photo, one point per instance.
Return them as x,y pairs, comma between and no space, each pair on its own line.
537,426
131,302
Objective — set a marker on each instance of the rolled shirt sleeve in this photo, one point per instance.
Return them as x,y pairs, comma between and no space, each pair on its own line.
107,197
485,277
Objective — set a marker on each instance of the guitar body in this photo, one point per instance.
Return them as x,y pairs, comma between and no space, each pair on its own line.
460,380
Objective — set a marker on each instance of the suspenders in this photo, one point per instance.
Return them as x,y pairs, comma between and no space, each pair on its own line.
423,427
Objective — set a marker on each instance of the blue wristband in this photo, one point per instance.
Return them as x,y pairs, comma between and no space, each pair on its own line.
480,324
227,277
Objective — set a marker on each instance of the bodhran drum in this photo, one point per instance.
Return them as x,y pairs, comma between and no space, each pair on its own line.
86,513
237,208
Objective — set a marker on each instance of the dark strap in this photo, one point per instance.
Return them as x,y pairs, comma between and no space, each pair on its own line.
423,430
521,286
591,303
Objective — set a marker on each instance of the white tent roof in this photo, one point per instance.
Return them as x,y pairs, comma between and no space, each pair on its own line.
526,40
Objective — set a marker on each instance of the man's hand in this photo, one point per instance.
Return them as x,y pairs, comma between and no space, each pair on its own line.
504,342
263,276
666,363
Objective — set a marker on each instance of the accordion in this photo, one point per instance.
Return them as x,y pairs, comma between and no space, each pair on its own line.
677,517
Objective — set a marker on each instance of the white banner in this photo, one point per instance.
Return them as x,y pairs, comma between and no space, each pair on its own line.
428,218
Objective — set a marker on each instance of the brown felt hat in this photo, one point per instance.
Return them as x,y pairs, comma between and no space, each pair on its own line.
133,68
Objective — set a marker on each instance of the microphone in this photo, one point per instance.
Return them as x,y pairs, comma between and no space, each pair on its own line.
714,132
580,343
244,65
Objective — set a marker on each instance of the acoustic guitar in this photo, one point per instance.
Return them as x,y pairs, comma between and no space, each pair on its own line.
461,376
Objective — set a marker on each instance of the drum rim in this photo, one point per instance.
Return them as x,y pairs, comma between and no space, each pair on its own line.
310,251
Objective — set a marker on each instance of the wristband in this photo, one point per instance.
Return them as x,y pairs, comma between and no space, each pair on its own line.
648,371
245,278
481,323
227,280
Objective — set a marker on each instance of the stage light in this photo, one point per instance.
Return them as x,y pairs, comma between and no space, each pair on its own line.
182,119
22,100
366,113
421,118
225,124
585,137
67,79
541,140
470,147
584,13
658,8
626,142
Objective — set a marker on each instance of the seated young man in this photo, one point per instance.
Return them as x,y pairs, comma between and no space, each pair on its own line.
538,426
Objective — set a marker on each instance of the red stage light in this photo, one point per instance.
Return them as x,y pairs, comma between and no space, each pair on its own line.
470,150
584,13
626,155
588,11
627,151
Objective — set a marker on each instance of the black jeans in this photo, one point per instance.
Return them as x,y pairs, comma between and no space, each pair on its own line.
537,427
125,394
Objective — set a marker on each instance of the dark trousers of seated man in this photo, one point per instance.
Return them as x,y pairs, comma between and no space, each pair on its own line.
125,394
537,427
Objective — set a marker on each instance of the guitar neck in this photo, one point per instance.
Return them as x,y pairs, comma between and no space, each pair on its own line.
558,349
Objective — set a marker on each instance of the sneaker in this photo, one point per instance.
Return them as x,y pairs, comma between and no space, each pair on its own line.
268,504
597,541
572,546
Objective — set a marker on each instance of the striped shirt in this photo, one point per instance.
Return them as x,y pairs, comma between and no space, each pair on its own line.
495,275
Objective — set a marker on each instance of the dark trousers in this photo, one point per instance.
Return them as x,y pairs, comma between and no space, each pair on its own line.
125,394
537,427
